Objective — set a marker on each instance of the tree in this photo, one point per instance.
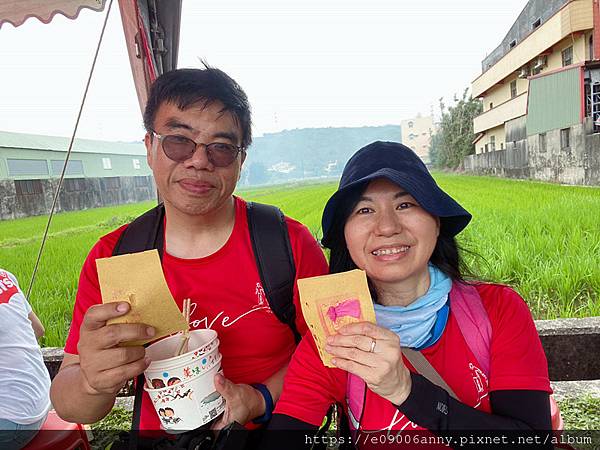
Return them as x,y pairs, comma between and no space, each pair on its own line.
454,139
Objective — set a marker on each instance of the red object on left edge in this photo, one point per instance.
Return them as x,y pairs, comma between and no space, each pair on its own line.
56,434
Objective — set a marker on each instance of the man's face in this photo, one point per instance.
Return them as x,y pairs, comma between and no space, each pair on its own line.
194,186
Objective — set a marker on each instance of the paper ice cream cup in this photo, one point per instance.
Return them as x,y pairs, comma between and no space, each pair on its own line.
190,404
162,353
158,377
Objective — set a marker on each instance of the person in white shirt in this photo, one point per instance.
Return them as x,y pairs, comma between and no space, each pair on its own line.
24,379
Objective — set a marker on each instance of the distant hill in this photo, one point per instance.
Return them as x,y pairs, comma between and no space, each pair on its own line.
308,153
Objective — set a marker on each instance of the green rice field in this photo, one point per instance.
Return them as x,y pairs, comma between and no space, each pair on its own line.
543,239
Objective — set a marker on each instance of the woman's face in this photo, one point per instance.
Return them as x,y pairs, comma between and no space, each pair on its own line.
390,236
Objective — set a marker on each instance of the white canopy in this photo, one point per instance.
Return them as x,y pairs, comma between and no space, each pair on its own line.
16,12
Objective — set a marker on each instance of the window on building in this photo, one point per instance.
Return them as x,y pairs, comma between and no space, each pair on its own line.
110,183
28,187
512,44
513,89
106,164
536,24
491,105
565,138
492,143
19,167
592,103
501,145
542,142
74,184
410,124
74,167
136,164
141,182
567,56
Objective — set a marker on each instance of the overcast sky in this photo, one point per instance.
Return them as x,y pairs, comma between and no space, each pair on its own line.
303,63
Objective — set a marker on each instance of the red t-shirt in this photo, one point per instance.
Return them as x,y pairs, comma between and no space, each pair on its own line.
517,362
226,295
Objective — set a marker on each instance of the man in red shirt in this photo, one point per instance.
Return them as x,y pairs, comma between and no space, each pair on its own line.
198,130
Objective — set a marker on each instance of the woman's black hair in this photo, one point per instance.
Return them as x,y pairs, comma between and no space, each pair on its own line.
445,256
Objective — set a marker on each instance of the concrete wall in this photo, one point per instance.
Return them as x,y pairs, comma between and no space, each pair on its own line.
577,164
511,163
85,193
516,130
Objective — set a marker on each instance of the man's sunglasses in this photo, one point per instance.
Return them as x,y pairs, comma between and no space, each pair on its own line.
179,148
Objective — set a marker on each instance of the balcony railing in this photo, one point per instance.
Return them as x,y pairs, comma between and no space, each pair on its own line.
504,112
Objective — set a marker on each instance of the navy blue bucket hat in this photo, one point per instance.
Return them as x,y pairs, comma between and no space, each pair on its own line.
402,166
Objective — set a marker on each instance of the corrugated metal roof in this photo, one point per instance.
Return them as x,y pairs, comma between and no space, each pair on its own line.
61,144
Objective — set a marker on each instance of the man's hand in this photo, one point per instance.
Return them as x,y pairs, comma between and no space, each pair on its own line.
243,402
105,366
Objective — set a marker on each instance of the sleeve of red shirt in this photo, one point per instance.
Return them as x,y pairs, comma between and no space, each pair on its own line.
518,361
310,387
309,260
88,290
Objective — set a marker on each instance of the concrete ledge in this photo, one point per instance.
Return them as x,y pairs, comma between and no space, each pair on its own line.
53,357
124,402
571,389
562,390
572,347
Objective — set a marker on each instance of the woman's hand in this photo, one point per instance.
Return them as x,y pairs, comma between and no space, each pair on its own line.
374,354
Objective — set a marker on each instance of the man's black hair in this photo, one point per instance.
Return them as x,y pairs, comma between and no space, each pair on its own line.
188,87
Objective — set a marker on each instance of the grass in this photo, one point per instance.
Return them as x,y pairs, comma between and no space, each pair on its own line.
543,239
107,430
580,413
70,239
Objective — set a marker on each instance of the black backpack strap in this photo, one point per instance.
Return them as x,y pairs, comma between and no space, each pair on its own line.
275,261
144,233
137,412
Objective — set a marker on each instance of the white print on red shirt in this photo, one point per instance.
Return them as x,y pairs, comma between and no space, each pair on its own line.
226,321
397,419
399,422
481,383
260,294
7,287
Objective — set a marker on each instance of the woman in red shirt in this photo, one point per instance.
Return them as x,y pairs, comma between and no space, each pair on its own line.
390,219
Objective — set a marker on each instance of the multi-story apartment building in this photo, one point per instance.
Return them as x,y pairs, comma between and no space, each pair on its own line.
540,88
416,134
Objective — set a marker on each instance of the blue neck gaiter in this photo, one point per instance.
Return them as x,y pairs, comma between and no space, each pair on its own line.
415,324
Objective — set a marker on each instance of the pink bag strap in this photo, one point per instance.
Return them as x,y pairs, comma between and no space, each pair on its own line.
473,322
356,392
